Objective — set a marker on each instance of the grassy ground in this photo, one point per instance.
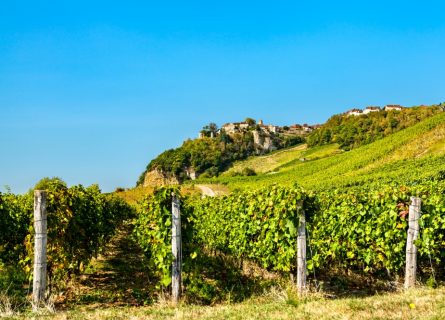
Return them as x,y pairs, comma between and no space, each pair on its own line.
116,278
281,304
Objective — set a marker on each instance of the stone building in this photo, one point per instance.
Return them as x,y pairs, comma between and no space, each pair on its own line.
371,109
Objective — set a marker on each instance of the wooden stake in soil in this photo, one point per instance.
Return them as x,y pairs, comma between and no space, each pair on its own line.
411,249
40,240
176,249
301,253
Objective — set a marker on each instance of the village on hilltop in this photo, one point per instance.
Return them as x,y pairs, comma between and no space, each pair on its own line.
295,129
237,127
359,112
234,127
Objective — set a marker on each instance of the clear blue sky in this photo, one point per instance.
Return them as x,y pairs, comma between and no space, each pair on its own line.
91,91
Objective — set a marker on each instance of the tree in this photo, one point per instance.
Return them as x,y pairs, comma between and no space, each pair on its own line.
210,130
251,122
213,127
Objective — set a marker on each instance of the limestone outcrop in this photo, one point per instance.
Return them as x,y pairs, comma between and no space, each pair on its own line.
157,178
263,142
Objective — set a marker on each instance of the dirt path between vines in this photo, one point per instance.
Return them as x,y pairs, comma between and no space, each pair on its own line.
118,277
206,190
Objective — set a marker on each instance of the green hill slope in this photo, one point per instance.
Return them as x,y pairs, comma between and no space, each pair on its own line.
275,160
217,150
354,131
407,156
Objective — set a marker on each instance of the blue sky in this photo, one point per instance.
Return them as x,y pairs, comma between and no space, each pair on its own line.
91,91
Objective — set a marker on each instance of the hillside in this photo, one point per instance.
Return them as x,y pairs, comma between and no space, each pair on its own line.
355,129
272,162
216,149
406,156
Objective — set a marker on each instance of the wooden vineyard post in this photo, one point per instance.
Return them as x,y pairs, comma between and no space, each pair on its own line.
301,253
40,240
176,249
411,249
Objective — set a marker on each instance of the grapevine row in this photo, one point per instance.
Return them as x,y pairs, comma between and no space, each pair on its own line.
80,222
361,229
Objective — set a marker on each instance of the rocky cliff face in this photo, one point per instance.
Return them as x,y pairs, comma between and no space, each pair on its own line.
263,142
157,178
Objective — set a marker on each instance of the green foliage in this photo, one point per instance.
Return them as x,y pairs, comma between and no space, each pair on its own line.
15,217
251,122
153,231
365,229
217,232
210,130
94,220
248,172
12,288
290,141
211,278
361,229
205,155
260,225
80,221
353,131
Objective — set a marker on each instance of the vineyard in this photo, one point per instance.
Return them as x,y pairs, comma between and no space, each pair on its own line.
244,243
80,222
410,155
363,231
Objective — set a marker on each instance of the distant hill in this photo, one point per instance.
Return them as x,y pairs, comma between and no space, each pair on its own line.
408,156
217,149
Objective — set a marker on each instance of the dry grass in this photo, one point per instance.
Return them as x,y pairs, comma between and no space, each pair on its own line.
269,162
213,190
133,196
6,306
284,159
116,278
283,303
